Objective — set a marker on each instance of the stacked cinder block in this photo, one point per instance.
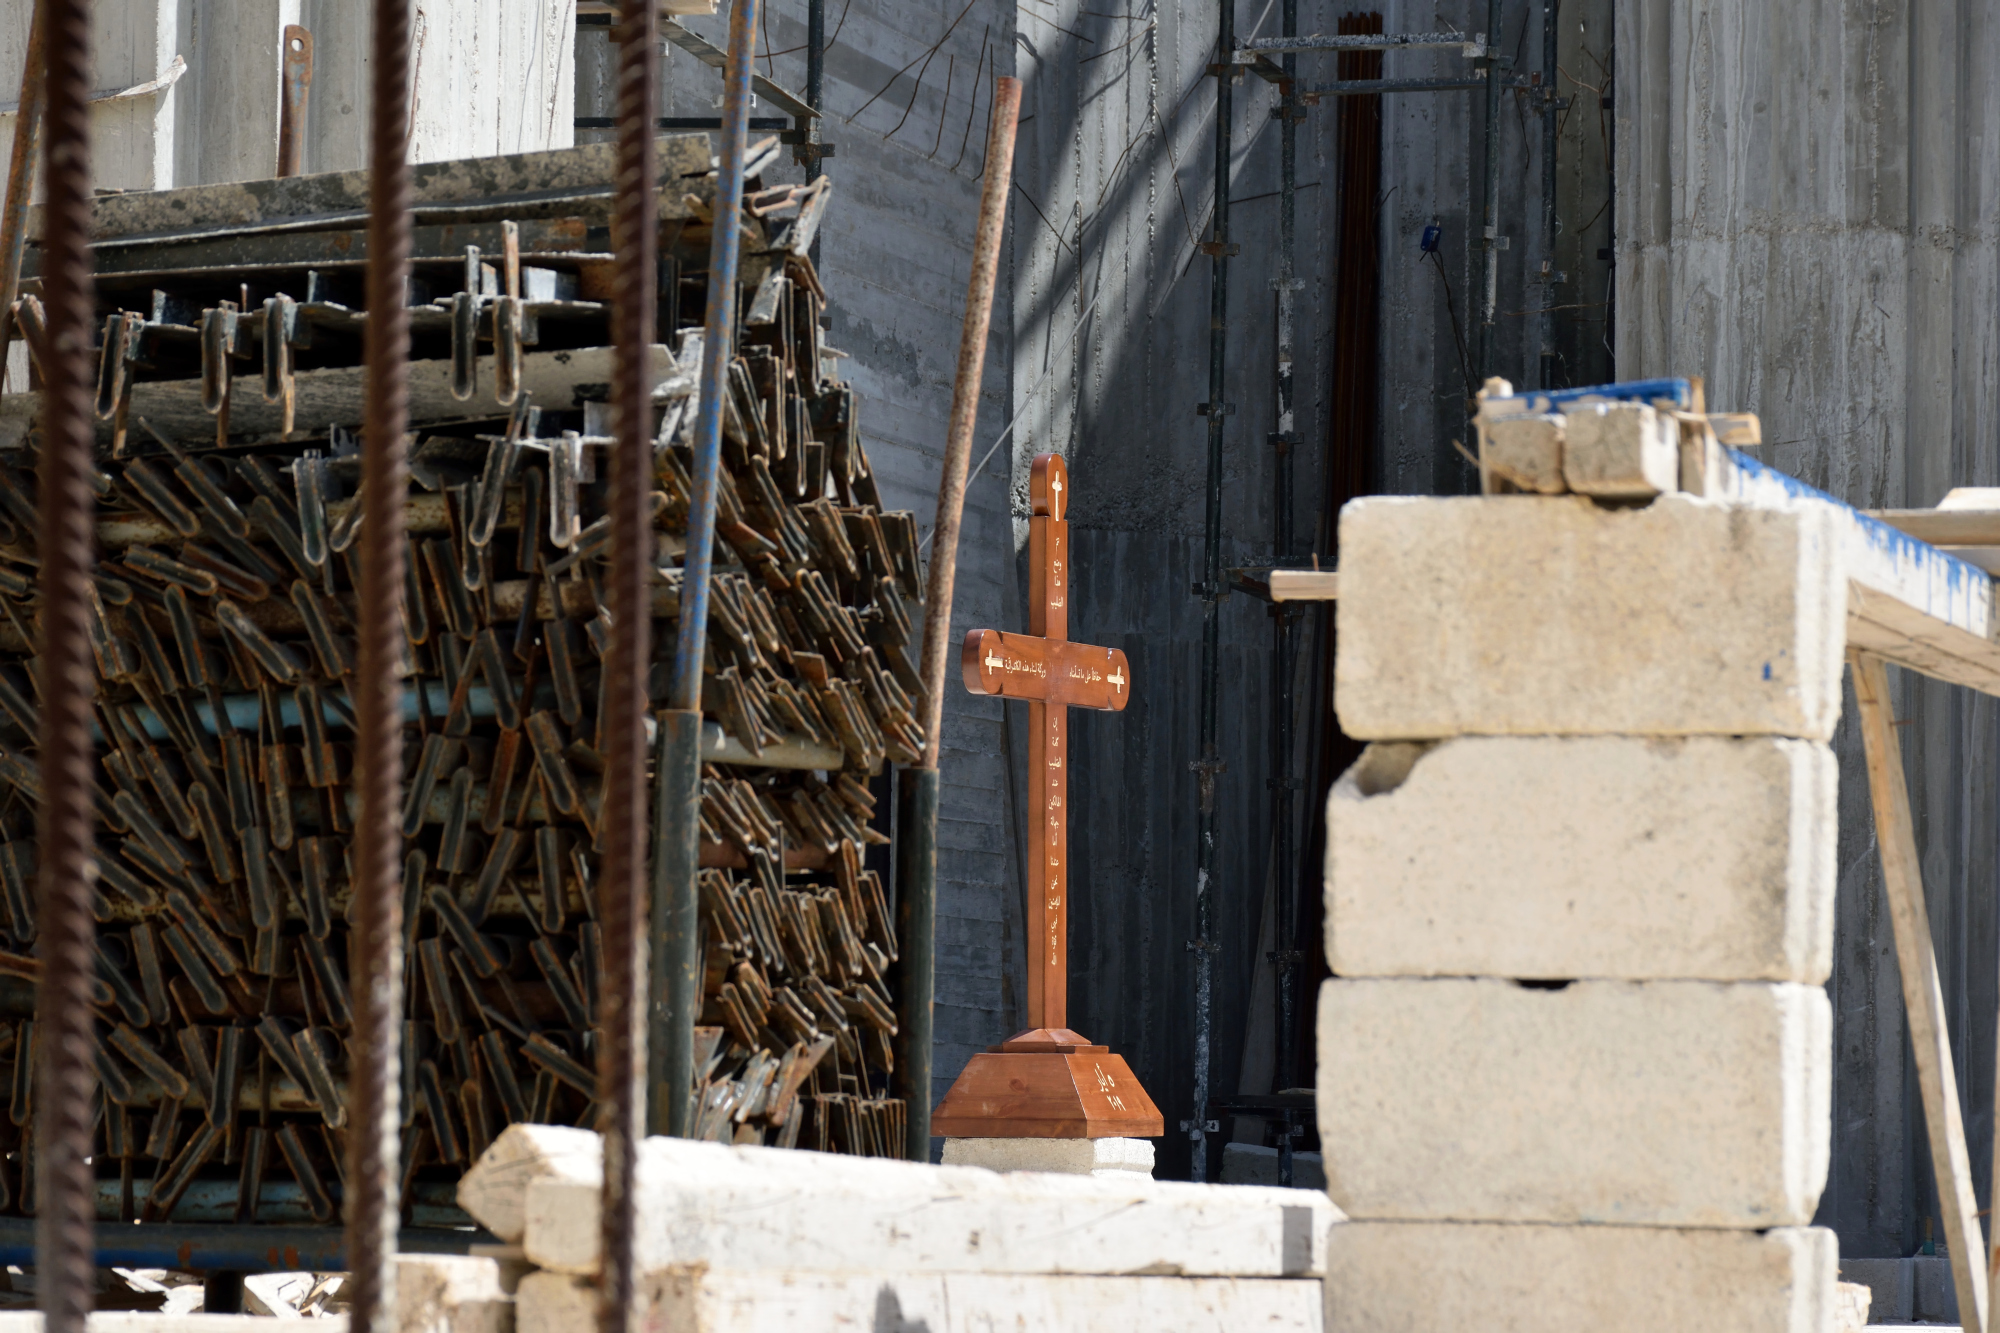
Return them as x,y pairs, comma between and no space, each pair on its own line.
1574,1064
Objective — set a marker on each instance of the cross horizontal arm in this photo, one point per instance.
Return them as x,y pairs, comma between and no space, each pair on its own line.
1021,666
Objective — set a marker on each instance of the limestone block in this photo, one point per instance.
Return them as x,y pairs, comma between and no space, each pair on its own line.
1432,1277
1591,856
1891,1284
496,1188
1851,1303
746,1207
1072,1157
734,1301
1620,451
451,1293
1524,615
1643,1103
1525,451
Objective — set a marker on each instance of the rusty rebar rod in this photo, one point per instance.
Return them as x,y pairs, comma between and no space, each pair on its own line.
374,1143
965,405
917,792
66,1039
621,905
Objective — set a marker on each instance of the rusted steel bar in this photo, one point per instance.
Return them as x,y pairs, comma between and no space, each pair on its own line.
66,1042
374,1143
621,905
297,70
21,167
916,869
676,965
965,405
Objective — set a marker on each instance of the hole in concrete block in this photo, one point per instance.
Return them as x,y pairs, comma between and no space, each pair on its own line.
1525,984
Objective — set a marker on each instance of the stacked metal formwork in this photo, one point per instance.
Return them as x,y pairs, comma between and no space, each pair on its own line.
222,617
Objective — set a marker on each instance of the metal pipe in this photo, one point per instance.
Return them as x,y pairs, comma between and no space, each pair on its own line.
374,1141
21,169
1209,764
815,97
1353,42
1489,236
916,931
297,67
677,811
66,1038
621,887
916,828
1283,618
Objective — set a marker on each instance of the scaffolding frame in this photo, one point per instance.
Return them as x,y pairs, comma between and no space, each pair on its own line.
1234,57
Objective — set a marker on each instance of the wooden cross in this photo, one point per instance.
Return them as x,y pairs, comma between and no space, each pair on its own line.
1052,675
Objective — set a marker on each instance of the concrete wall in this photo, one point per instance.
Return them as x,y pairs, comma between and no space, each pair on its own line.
1807,205
491,77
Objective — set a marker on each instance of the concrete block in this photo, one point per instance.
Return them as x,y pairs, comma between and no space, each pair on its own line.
1642,1103
733,1301
1070,1157
496,1187
1598,856
1525,452
1416,1277
1892,1284
1851,1302
451,1293
1522,615
750,1208
1620,451
1934,1295
1254,1164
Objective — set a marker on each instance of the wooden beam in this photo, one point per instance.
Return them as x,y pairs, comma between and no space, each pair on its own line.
1305,585
1923,1001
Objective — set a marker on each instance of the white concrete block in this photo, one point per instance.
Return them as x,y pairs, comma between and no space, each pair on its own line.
1891,1284
733,1301
1525,452
495,1190
1851,1303
1642,1103
1620,451
1596,856
1522,615
707,1203
1448,1278
1070,1157
451,1293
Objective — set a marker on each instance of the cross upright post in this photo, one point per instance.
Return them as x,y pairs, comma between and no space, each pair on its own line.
1049,1081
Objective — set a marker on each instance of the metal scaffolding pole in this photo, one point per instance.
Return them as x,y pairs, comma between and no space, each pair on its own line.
1551,111
1490,239
1210,589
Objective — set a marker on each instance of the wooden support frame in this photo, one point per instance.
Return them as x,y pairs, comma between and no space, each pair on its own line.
1923,1000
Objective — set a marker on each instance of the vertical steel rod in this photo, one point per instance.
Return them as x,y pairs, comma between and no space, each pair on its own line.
1489,195
916,884
66,1039
1209,764
677,995
1283,622
815,97
621,900
374,1144
1551,113
21,166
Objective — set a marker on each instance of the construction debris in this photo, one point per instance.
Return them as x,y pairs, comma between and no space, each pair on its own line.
229,384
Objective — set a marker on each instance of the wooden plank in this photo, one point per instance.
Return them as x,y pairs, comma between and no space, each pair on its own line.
1923,1000
1944,527
1305,585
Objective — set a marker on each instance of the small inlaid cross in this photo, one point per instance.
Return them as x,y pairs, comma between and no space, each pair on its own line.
1052,675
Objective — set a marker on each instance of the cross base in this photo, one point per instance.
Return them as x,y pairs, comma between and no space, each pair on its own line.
1080,1091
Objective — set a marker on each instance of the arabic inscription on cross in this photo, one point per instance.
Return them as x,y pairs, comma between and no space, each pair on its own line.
1051,675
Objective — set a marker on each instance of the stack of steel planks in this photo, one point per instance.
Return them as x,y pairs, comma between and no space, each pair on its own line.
229,388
